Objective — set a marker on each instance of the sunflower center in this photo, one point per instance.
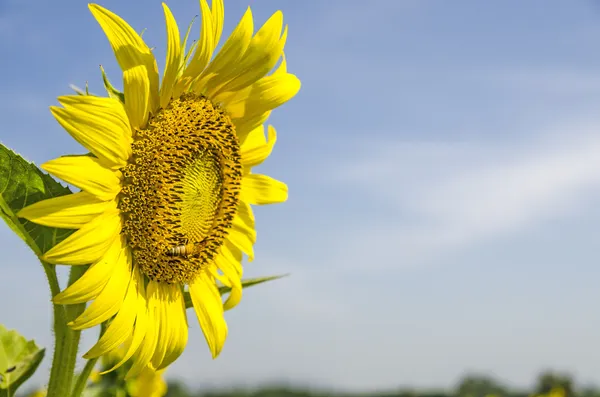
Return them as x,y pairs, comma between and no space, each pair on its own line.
180,189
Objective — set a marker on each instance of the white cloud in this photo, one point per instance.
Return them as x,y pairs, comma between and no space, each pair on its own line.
438,197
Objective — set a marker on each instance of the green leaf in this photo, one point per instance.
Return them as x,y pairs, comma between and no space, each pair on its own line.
19,358
112,91
79,91
249,282
22,184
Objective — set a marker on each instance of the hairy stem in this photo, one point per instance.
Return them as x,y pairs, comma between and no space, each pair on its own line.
83,377
54,388
66,340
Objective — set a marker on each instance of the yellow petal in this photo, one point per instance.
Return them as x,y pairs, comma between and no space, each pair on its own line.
261,189
135,339
254,139
245,214
87,173
262,54
242,237
186,54
266,94
209,310
67,212
172,325
130,51
234,297
233,256
218,17
282,68
229,262
179,338
157,299
137,91
242,233
110,300
98,124
147,347
88,244
201,73
255,150
120,327
206,44
218,274
245,125
173,57
220,69
91,283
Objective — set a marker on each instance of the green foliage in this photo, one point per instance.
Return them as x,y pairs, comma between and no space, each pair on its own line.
110,89
22,184
80,91
19,358
479,386
547,381
470,385
177,390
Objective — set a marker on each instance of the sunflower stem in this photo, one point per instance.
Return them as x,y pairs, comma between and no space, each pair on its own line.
59,334
83,377
66,340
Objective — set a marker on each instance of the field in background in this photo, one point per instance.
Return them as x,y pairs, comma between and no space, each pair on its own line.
548,384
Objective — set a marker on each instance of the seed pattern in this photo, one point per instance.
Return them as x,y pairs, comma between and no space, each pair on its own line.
180,189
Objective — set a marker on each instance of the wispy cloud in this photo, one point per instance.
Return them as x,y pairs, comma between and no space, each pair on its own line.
438,197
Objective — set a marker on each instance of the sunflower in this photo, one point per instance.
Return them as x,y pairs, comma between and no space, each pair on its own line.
167,186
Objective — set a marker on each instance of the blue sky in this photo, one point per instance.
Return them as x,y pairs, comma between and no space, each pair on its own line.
444,172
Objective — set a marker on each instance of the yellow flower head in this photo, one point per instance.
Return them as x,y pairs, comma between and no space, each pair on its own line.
166,192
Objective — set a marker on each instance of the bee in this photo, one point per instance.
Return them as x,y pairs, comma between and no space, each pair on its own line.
182,250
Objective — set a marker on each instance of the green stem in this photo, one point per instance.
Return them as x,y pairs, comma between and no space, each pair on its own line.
66,340
52,280
59,332
83,377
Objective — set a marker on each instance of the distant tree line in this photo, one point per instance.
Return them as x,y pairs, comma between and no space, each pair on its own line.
549,384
